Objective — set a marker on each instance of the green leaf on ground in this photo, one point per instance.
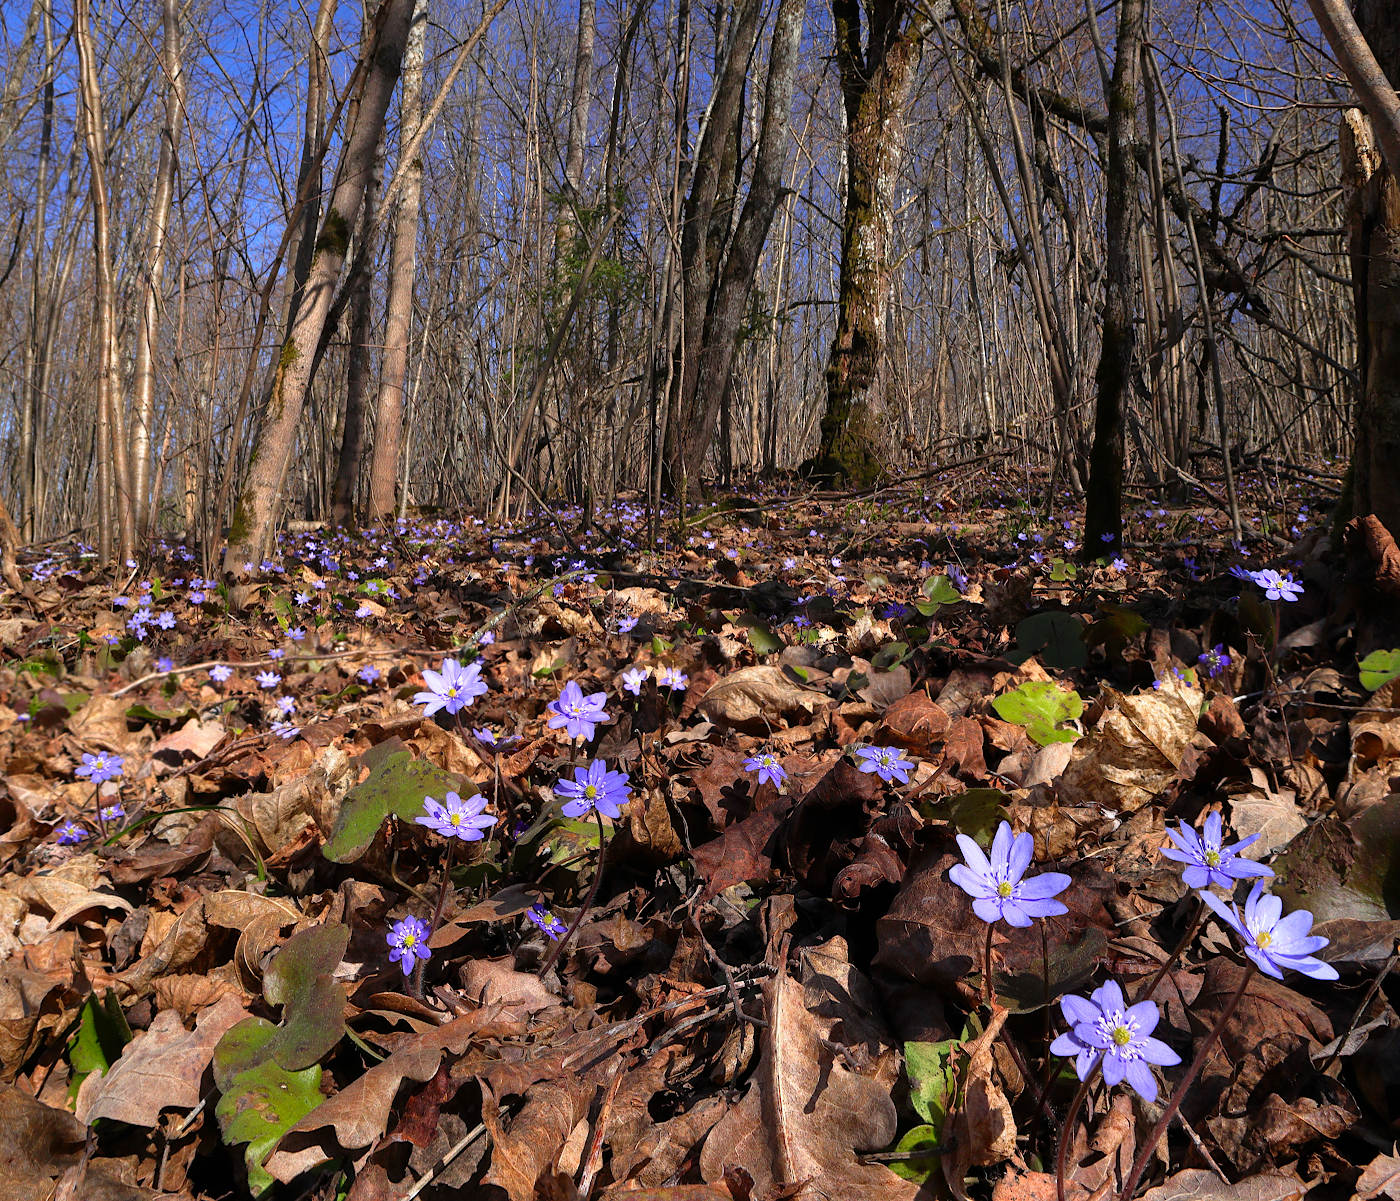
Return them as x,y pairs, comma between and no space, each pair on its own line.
1041,706
397,784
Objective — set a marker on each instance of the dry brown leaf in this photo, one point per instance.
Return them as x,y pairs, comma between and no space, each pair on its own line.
37,1144
1272,814
1198,1184
1382,1175
160,1068
1137,748
26,1012
821,1092
274,819
982,1129
758,699
358,1114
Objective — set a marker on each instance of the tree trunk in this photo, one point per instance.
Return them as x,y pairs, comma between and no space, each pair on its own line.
874,88
398,326
1371,167
352,435
715,161
143,372
1103,516
255,515
731,300
114,493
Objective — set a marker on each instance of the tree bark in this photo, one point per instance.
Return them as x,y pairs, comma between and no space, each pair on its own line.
143,373
114,493
712,177
731,300
352,435
875,83
1369,51
398,327
259,503
1103,516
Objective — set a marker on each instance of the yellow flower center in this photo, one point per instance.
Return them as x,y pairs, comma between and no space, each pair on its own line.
1004,889
1263,939
409,940
591,791
456,819
1212,858
452,691
1122,1036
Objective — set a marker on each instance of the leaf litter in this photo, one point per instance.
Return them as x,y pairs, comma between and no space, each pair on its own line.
738,987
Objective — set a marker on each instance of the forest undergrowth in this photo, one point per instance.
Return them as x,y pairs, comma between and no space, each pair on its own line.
860,847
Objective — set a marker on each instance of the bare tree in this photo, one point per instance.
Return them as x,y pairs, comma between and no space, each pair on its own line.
875,77
259,503
1103,517
143,371
388,422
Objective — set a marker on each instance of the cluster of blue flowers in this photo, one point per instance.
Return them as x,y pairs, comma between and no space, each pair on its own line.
1104,1030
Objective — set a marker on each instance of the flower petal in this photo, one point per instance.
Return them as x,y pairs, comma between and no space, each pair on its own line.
973,854
1044,886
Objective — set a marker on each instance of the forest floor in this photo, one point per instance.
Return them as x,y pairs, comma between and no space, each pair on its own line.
758,979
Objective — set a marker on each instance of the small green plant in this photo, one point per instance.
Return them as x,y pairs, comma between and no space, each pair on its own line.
1379,668
1041,706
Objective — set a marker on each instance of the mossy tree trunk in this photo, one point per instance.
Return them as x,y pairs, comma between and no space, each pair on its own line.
1103,517
875,79
260,499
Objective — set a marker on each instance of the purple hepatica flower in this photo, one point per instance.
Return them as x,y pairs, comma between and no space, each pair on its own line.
957,577
626,623
100,767
633,678
285,730
768,768
887,762
577,715
595,787
220,672
268,679
453,688
1106,1028
1275,943
672,678
1208,861
70,834
409,939
547,922
1277,586
1215,660
112,812
453,817
996,886
368,673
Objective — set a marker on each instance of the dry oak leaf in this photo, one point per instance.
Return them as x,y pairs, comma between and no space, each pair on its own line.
820,1094
161,1068
983,1128
1199,1184
359,1113
1382,1176
37,1144
275,819
756,699
1138,747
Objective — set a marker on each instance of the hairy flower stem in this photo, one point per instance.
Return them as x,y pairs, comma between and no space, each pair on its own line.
558,948
1171,960
988,993
1179,1093
416,983
1067,1130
